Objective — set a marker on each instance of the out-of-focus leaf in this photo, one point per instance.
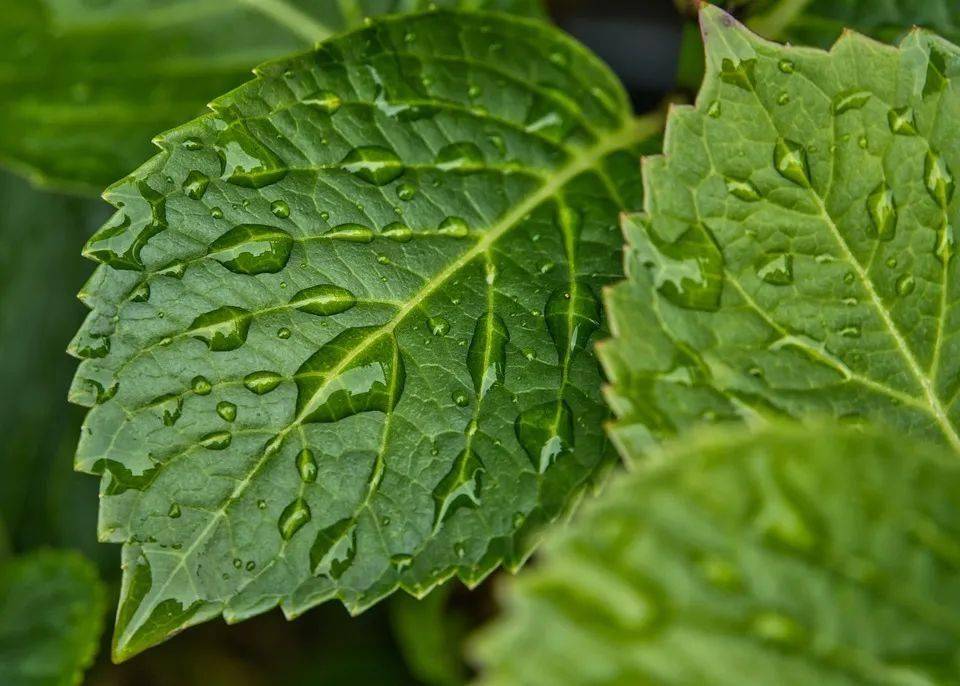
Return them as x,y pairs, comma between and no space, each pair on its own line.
51,616
799,555
341,338
85,85
797,252
430,636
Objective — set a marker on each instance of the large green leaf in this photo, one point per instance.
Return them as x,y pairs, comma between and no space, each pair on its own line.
341,338
51,616
800,555
820,22
85,85
797,254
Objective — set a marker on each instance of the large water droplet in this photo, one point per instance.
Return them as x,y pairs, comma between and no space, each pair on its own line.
938,179
226,410
901,121
334,548
460,156
572,316
739,74
546,433
195,185
777,269
487,354
293,517
460,487
325,101
883,212
361,370
224,328
246,161
790,160
261,382
252,249
324,300
844,102
201,386
307,466
373,164
170,407
217,440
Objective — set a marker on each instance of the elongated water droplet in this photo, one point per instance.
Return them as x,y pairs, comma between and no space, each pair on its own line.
460,487
307,466
262,382
546,433
901,121
398,232
777,269
855,100
572,316
351,233
170,407
744,190
333,549
246,161
374,164
195,185
325,101
227,410
217,440
224,328
905,285
459,156
438,326
252,249
883,212
938,179
360,370
455,227
293,517
201,386
487,354
323,300
944,247
790,160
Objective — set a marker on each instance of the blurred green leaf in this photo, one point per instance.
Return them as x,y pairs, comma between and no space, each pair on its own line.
340,341
51,616
86,84
794,556
430,635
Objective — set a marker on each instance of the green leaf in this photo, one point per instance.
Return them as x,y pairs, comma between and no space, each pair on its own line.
821,22
797,555
360,357
430,634
797,251
51,617
86,85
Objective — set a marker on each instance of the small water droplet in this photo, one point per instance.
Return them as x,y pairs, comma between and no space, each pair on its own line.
487,353
170,407
905,285
323,300
744,190
455,227
293,517
334,549
141,293
192,144
351,233
283,333
227,410
307,466
216,213
406,191
739,74
262,382
174,511
783,98
572,316
195,185
460,398
280,209
438,326
374,164
786,66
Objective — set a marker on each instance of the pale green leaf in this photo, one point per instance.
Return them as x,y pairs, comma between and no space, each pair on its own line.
795,556
797,254
341,341
85,85
51,617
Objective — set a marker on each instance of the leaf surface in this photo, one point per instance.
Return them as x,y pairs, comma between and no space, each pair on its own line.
797,254
797,555
51,617
86,85
341,338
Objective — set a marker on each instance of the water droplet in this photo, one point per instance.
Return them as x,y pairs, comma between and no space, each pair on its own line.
174,511
460,487
351,233
201,386
401,561
334,548
487,354
938,179
237,563
398,232
120,241
406,191
715,109
227,410
739,74
783,98
222,329
261,504
790,160
360,370
905,285
280,209
460,156
546,433
96,346
455,227
786,66
192,144
883,212
438,326
777,269
262,382
901,121
460,398
141,293
744,190
324,300
572,316
326,101
246,161
687,272
216,213
373,164
195,185
217,440
944,248
250,566
293,517
845,102
850,331
252,249
170,407
307,466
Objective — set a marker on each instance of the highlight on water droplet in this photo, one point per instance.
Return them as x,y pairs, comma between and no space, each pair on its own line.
790,160
487,353
323,300
224,328
262,382
883,212
374,164
307,466
252,249
293,517
546,433
459,488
